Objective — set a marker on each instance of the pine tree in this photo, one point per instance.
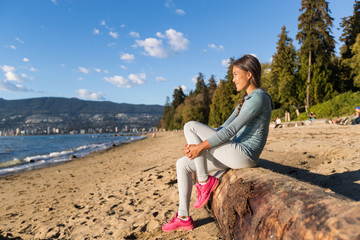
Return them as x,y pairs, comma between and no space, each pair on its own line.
211,86
178,97
351,29
165,120
224,100
283,72
197,105
354,61
316,50
200,84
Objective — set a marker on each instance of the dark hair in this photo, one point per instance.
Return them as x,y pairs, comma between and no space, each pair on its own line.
251,64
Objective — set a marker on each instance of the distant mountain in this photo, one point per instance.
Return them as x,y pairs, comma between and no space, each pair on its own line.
73,113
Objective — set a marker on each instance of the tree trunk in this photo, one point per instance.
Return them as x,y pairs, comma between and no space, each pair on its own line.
297,111
308,84
255,203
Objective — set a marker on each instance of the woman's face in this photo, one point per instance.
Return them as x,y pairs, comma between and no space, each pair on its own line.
241,78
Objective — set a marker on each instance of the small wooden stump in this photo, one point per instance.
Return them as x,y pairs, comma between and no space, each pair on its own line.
256,203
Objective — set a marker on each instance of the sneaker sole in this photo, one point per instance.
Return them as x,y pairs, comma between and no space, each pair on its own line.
179,228
211,191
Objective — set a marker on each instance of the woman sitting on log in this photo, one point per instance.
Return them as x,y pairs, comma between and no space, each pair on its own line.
236,144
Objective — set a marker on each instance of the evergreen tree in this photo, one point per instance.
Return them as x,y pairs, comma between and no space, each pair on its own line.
200,84
178,97
215,117
351,28
165,120
283,70
354,61
316,50
211,86
224,100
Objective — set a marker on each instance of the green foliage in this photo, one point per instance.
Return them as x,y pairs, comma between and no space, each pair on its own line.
178,97
282,77
354,61
224,100
317,47
341,105
351,29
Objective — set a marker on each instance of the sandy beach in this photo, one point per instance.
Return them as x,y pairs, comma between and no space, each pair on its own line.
129,191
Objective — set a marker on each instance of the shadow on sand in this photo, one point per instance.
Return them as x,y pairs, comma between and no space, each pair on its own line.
341,183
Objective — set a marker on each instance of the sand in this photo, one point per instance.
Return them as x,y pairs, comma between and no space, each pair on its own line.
129,191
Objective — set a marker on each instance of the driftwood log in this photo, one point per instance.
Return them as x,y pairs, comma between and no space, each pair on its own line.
256,203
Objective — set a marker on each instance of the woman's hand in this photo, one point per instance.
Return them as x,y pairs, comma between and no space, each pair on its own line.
192,151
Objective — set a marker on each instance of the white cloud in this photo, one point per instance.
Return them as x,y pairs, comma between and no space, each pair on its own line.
153,47
127,57
33,69
213,46
105,71
10,74
54,2
97,70
25,59
180,12
160,79
118,81
86,94
134,34
114,34
96,31
160,35
176,42
137,79
122,82
225,62
103,23
12,47
19,40
7,68
194,78
84,70
8,86
123,26
183,87
123,67
62,65
80,78
169,4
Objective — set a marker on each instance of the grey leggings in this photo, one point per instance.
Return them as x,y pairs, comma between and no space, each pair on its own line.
227,155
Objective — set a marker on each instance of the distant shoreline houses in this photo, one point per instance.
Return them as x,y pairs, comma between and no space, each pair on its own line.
57,131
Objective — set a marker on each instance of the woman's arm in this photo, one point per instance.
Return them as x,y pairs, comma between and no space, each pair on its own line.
251,108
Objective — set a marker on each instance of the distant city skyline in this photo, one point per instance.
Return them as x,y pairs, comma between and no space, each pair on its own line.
136,51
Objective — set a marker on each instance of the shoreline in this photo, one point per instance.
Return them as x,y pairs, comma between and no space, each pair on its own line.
129,191
55,156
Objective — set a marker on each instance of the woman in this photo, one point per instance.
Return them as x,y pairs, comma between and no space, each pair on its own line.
208,149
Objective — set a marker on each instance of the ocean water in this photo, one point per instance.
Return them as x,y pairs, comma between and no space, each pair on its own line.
24,153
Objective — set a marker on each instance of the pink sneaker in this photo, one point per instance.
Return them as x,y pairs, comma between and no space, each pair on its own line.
176,223
204,191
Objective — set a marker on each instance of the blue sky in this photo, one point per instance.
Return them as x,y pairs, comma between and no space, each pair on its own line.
129,51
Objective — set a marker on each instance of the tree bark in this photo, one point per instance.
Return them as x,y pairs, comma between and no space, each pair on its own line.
255,203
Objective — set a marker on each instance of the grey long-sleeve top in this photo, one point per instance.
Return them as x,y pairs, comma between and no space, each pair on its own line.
250,128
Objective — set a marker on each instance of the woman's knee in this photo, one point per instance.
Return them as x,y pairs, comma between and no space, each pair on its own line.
182,164
189,125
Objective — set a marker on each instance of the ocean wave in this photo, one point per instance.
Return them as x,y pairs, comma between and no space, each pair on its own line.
38,161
